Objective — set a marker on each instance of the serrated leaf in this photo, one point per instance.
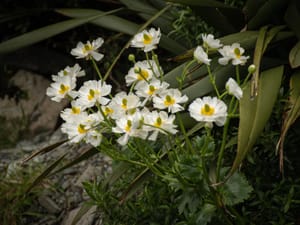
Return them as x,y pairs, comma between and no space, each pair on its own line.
255,113
207,211
235,190
294,56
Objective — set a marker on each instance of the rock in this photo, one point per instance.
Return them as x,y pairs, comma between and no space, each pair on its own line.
35,114
49,204
86,219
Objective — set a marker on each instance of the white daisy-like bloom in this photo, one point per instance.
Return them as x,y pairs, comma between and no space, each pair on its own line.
70,114
209,110
88,50
170,99
129,125
94,138
233,53
62,87
92,92
74,72
209,42
147,39
142,71
123,104
148,90
77,129
83,128
160,122
201,56
234,89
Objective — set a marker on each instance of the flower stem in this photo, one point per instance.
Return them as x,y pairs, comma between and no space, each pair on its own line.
213,81
97,69
223,144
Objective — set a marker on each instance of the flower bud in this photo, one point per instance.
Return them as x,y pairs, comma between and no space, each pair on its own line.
131,57
251,68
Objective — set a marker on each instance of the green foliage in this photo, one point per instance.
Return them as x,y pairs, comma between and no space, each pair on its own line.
14,195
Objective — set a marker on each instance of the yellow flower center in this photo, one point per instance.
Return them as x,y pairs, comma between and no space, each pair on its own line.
128,126
237,52
158,122
124,103
81,129
207,110
151,90
92,94
142,74
108,111
169,100
75,110
87,48
63,89
147,39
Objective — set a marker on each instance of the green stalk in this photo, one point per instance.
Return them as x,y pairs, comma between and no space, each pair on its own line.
223,144
213,81
97,69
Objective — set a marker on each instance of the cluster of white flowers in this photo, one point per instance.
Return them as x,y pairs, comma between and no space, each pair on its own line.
148,108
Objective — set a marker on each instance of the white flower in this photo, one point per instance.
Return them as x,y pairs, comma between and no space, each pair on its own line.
170,99
83,128
93,92
73,72
123,104
159,122
148,90
209,110
201,56
77,129
146,40
62,87
234,53
142,71
88,50
129,125
94,138
234,89
70,114
209,42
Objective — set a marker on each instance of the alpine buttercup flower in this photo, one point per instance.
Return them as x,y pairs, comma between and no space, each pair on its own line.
201,56
234,89
209,42
88,50
209,110
147,39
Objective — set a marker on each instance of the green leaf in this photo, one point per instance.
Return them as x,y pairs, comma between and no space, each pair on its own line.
206,213
110,22
45,32
255,113
81,212
292,114
203,3
45,173
294,56
265,12
258,53
87,154
292,17
235,190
